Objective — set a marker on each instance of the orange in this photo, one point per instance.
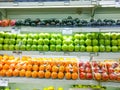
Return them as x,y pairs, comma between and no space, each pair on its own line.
36,62
34,74
1,66
12,66
41,74
22,73
16,73
61,69
18,66
68,75
74,63
67,68
29,67
47,74
3,73
54,68
60,75
74,76
54,75
48,68
42,68
1,57
28,73
75,69
9,73
6,67
24,66
35,67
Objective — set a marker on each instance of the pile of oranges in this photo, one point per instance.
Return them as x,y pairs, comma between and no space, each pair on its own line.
55,68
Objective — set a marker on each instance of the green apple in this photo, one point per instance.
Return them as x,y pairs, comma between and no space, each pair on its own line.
77,48
108,48
52,47
24,41
7,35
28,47
88,42
82,36
1,34
119,48
17,47
94,35
114,42
25,36
52,41
35,41
20,36
46,41
102,48
35,36
6,41
114,36
89,48
59,36
1,40
82,41
101,36
45,47
82,48
54,36
6,47
71,47
107,35
13,36
40,47
89,36
96,48
40,41
47,35
118,35
102,42
34,47
68,41
11,47
22,47
58,47
41,36
77,36
58,42
94,42
1,47
29,41
107,42
76,41
114,49
30,36
64,47
12,41
118,40
18,41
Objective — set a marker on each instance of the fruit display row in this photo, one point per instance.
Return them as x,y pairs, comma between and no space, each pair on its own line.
66,22
59,68
98,87
78,42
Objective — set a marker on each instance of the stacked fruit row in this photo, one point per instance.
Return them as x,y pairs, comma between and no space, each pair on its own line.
103,70
69,22
55,68
89,42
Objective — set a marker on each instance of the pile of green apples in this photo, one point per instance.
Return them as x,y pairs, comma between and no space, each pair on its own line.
78,42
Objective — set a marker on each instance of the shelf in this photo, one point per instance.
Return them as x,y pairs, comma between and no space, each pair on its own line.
62,4
24,29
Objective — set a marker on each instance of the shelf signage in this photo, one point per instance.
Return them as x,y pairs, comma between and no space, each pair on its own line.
67,31
4,82
15,30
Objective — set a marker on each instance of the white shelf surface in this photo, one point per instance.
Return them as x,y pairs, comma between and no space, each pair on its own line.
59,29
71,4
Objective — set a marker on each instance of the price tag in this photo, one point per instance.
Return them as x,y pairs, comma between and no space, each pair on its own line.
15,4
15,30
67,31
117,3
40,3
67,3
4,82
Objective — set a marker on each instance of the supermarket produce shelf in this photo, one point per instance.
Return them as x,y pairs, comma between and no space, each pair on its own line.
107,3
66,4
60,29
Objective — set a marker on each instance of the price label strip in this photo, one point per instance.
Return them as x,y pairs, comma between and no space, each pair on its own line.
67,31
15,30
3,82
